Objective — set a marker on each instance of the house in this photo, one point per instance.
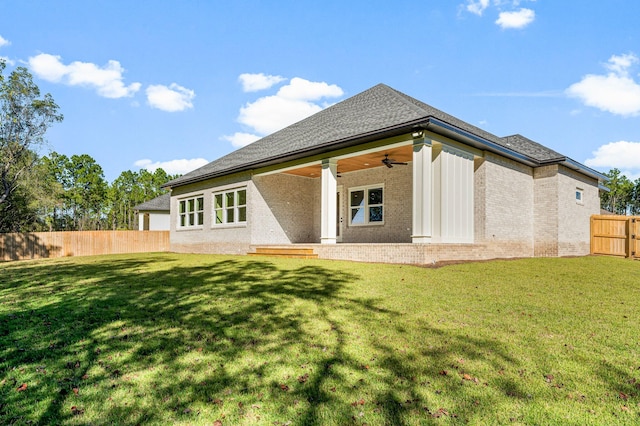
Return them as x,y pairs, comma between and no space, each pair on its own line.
154,214
384,177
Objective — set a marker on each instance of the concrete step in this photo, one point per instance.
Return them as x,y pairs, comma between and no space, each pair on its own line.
289,252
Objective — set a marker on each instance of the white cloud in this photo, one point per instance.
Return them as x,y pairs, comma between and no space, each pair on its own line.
271,113
615,92
256,82
508,16
621,155
477,7
293,102
172,167
300,89
171,99
516,19
8,61
107,80
620,64
240,139
4,42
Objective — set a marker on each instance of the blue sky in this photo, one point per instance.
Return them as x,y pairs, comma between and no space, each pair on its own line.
179,83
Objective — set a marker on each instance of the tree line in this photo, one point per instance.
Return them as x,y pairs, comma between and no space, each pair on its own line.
623,196
56,192
62,193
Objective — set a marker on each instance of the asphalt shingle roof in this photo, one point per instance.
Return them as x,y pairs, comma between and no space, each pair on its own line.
375,110
159,204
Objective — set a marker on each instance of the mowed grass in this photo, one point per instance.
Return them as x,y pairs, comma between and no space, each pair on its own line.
196,339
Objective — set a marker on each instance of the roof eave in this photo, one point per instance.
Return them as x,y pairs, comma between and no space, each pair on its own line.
476,141
427,123
316,150
578,167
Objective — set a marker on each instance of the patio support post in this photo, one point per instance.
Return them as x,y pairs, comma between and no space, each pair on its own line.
422,191
328,201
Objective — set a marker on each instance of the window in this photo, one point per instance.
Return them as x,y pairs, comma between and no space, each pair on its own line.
191,212
579,195
366,205
230,207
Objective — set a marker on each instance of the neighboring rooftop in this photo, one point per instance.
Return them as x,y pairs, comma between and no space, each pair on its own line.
158,204
375,113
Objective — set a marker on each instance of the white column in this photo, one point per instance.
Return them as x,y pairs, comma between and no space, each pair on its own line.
328,201
422,192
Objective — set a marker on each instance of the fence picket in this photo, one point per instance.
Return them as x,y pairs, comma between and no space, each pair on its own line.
36,245
615,235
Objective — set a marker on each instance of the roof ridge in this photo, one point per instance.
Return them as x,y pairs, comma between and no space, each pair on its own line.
406,99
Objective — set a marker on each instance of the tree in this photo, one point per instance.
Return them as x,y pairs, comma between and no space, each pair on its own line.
618,199
78,192
24,120
635,198
131,189
18,212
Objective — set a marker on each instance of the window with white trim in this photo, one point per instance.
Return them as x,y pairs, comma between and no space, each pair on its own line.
579,196
191,212
230,207
366,205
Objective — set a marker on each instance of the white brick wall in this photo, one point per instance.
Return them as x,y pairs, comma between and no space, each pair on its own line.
504,204
562,224
546,211
574,235
518,212
282,209
397,205
234,240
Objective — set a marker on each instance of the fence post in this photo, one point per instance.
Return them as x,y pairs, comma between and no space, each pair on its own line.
593,238
628,244
632,237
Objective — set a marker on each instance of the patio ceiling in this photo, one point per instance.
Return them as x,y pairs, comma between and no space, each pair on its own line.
369,160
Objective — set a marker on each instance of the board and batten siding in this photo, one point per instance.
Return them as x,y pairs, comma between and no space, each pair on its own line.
453,195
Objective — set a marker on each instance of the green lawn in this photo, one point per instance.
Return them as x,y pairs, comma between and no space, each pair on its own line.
195,339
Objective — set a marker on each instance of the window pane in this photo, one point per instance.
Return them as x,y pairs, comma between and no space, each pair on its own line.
357,216
191,219
182,206
183,220
199,203
375,196
200,218
230,216
190,205
219,214
242,214
218,201
357,198
375,214
242,197
229,199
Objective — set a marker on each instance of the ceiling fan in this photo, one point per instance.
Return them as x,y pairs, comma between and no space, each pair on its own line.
390,162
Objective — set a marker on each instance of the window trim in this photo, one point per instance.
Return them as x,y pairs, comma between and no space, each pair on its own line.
366,205
197,213
579,196
224,209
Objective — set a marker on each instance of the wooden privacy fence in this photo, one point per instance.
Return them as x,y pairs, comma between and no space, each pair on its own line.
37,245
615,235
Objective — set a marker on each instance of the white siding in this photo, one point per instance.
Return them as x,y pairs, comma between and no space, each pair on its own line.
453,196
159,221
